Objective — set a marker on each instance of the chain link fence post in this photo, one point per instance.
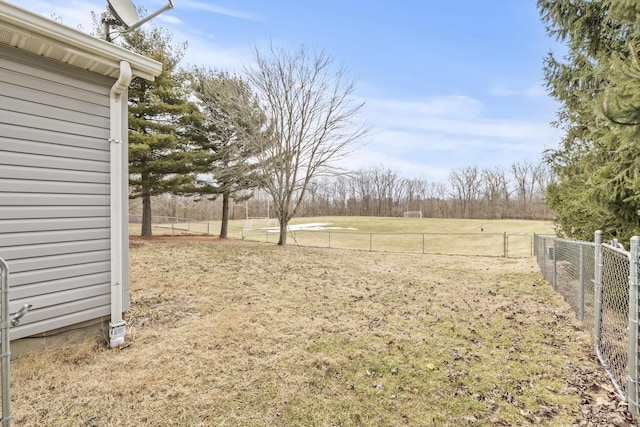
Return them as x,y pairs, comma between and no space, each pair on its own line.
531,245
597,308
555,265
544,258
632,355
581,284
505,245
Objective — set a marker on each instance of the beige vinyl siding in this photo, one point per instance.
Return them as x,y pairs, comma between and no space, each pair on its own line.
54,191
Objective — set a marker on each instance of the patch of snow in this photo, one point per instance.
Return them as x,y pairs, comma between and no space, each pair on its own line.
312,226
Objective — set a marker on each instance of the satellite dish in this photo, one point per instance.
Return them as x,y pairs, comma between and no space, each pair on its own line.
124,11
124,14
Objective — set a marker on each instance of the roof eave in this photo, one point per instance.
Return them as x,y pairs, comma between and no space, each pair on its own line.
44,37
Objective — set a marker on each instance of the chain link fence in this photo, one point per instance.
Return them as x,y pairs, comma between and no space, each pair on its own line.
610,331
570,267
172,226
488,244
599,280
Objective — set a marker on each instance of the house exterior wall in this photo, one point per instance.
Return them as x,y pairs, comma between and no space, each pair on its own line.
55,191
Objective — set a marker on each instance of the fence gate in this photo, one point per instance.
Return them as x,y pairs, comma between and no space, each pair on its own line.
634,333
612,311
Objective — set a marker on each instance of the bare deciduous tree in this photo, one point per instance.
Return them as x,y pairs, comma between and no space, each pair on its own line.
385,185
526,176
496,192
466,189
310,113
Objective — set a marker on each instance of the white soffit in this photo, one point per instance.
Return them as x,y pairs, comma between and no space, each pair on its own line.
43,37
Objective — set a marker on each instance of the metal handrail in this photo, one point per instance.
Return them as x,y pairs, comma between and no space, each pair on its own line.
4,341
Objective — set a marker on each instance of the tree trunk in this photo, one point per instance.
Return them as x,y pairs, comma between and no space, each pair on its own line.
225,216
282,241
146,212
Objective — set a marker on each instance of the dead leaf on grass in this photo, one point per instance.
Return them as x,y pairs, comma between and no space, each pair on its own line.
499,422
531,417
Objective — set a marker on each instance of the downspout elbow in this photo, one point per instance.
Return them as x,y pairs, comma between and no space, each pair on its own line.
123,82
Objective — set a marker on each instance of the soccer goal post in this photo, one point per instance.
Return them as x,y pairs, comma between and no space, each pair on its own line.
413,214
259,222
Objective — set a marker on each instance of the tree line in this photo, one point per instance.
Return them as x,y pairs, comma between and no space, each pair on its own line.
470,192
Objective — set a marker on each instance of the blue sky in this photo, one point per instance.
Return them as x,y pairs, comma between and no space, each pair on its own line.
447,84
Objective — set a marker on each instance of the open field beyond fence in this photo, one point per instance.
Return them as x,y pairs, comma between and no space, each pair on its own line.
511,238
247,334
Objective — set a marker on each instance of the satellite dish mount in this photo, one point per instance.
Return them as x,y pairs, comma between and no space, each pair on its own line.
123,14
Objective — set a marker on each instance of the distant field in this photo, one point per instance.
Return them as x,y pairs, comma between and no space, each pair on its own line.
380,234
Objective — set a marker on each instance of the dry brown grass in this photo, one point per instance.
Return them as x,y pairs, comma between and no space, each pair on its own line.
249,334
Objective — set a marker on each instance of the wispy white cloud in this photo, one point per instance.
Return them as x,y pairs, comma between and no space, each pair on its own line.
425,135
455,115
75,14
209,54
204,50
454,105
369,157
536,91
212,8
170,19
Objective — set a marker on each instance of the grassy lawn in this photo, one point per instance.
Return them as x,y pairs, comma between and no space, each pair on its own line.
248,334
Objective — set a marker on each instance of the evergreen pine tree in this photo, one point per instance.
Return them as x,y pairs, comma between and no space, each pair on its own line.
233,123
596,164
164,156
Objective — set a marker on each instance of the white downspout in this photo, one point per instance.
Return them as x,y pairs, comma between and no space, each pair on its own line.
117,324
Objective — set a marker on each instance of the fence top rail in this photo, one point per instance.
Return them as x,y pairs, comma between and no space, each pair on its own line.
164,218
617,249
418,233
570,241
